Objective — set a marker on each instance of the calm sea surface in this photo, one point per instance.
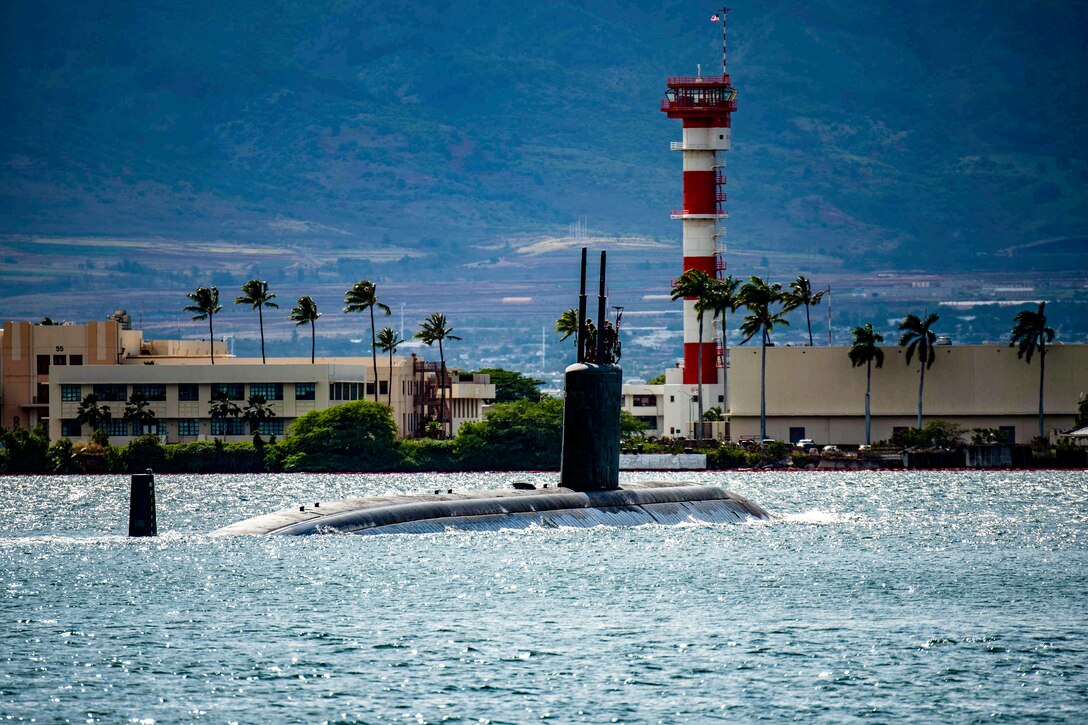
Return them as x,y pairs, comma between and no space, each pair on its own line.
881,597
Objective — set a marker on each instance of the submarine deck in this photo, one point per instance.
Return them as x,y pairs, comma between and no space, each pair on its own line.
658,502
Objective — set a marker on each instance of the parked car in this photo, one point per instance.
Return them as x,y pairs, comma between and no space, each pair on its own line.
806,444
864,447
831,449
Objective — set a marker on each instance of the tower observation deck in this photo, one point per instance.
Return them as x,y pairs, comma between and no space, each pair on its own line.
704,104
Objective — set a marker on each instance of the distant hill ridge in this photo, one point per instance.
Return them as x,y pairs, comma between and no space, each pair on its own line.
886,133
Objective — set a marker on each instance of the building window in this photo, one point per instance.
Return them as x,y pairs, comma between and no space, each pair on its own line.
43,365
148,427
188,391
149,392
383,387
71,429
644,401
268,391
75,359
111,391
232,391
188,427
116,427
271,427
71,393
228,427
672,399
60,360
345,391
43,394
305,391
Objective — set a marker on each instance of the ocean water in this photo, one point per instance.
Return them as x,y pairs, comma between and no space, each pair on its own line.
877,597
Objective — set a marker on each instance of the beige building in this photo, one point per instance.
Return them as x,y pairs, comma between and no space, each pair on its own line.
47,371
813,392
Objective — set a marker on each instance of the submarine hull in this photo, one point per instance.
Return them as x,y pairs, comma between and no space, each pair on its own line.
662,503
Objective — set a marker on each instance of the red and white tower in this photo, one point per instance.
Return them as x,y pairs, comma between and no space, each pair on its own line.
704,104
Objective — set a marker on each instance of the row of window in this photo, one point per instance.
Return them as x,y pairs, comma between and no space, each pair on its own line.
118,392
44,360
356,391
186,427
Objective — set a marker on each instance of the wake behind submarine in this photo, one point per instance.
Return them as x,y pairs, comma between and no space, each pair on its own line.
588,494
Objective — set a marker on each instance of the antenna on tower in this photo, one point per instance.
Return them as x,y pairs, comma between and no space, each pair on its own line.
720,17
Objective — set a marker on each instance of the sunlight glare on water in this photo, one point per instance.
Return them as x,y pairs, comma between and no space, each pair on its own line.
871,596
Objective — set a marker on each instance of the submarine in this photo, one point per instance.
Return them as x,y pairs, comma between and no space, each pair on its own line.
588,492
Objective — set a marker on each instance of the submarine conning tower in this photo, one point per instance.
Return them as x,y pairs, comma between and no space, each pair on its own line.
591,405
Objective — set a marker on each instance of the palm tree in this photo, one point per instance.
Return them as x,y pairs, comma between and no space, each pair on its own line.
92,413
388,341
1031,334
432,330
568,325
223,407
139,410
255,294
360,298
305,310
722,299
695,284
205,305
919,337
801,294
759,297
257,409
865,352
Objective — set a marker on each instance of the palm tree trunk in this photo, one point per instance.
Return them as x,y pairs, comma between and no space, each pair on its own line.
868,383
260,322
442,388
763,390
725,366
921,385
1042,372
211,340
699,379
389,390
313,341
808,319
374,353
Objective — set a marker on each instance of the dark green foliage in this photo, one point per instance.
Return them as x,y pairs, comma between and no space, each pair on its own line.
27,450
143,453
515,436
358,436
728,457
213,457
1082,412
511,386
62,457
935,434
630,426
425,454
658,379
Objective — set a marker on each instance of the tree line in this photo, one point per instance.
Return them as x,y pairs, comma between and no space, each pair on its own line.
767,305
361,298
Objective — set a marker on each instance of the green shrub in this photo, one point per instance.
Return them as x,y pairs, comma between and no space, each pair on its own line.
726,457
213,457
28,450
425,454
143,453
358,436
522,435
